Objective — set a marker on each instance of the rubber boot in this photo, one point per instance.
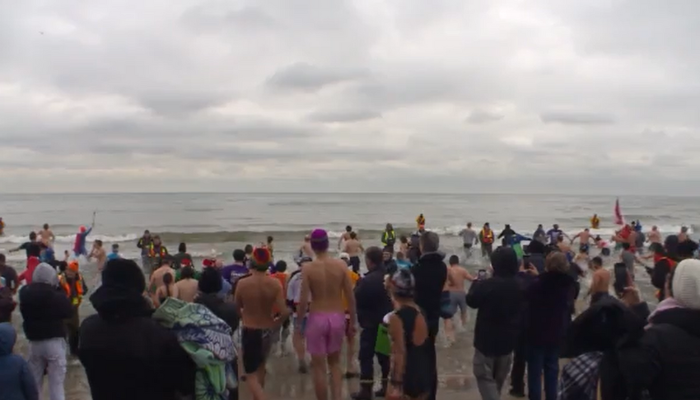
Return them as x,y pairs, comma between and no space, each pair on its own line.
365,392
382,390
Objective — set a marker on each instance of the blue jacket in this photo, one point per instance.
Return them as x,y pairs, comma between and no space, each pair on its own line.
16,381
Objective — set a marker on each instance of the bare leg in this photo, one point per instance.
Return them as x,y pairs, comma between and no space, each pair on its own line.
300,350
320,375
334,365
464,319
255,385
449,330
350,356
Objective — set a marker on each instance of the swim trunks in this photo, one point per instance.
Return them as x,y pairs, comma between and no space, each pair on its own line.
355,263
325,332
256,344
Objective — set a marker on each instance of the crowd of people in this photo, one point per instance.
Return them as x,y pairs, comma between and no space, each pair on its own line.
168,330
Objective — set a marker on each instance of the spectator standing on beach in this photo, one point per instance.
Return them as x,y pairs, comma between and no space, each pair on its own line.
430,273
45,307
469,239
145,245
500,303
232,272
373,303
550,299
325,327
665,358
16,379
126,353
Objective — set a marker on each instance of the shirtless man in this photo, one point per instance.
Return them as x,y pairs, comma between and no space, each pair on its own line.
600,282
354,248
47,236
305,250
99,254
655,236
456,277
565,248
584,238
257,298
326,280
344,237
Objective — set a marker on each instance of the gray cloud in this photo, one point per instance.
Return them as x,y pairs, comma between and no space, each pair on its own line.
304,76
344,115
483,116
576,118
316,94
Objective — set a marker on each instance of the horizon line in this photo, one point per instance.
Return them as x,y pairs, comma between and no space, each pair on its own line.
487,193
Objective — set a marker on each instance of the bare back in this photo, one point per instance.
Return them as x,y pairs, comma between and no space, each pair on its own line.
157,276
187,289
325,279
458,276
600,282
353,247
256,296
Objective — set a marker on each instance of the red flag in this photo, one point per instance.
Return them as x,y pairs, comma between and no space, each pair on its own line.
619,219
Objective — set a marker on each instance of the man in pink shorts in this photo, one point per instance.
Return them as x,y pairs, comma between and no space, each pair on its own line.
325,326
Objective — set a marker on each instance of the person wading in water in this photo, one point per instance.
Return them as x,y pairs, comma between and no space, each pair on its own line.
325,327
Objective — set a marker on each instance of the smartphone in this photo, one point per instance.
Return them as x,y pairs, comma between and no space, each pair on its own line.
481,274
526,261
621,278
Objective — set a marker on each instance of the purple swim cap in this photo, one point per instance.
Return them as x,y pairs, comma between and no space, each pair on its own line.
319,240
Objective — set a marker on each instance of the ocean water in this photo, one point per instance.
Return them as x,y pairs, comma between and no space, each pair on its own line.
219,223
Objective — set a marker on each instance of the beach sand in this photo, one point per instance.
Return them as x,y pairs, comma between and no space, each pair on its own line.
456,378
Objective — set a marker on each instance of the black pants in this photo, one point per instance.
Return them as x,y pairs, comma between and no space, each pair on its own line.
368,339
486,249
517,374
355,264
433,329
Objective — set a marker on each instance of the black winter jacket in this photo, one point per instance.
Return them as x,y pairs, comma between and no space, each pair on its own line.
667,358
501,304
127,355
371,299
44,309
430,274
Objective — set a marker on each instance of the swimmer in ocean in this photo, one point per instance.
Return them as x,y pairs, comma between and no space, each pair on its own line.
584,238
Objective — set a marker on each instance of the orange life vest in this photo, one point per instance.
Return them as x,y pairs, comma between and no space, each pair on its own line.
152,252
78,288
487,237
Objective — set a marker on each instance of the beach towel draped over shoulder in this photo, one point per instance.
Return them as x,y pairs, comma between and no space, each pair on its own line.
208,340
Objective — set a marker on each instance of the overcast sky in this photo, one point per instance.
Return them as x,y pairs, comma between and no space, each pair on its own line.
598,96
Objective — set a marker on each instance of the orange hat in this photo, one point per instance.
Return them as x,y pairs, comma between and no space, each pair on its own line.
73,266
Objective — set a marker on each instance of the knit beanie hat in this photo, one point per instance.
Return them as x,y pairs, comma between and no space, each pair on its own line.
403,283
686,283
44,273
210,281
124,275
261,258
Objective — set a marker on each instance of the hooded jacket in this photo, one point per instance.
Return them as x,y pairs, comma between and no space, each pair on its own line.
501,305
16,380
126,354
44,305
430,274
666,360
550,299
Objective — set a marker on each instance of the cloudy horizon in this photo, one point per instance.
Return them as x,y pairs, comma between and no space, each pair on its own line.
496,96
